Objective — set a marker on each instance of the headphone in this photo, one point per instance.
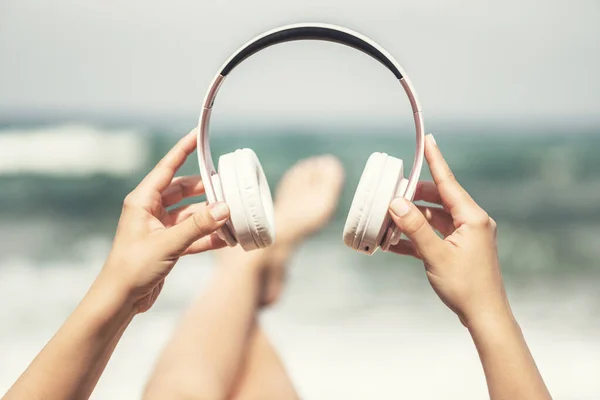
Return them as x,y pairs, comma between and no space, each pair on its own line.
241,183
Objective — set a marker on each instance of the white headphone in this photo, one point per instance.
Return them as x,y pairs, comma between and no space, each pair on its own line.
241,182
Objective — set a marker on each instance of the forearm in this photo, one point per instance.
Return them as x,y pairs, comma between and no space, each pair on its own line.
509,368
71,363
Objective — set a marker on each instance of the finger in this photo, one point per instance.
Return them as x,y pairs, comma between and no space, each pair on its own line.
156,292
180,214
211,242
427,191
162,175
414,225
181,188
439,219
201,223
454,198
405,247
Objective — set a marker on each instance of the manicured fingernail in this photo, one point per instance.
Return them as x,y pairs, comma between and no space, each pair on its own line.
400,206
219,211
432,139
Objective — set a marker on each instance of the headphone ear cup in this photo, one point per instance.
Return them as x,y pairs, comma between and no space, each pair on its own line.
226,232
246,192
368,217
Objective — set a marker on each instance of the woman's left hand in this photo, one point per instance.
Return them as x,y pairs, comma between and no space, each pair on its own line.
150,239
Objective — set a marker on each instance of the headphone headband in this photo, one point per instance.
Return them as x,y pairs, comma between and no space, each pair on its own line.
311,32
307,31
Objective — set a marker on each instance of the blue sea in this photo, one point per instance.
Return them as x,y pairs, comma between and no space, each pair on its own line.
349,326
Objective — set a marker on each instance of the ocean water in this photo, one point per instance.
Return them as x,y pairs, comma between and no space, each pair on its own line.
349,326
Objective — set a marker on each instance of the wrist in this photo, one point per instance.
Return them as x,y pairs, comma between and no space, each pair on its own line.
494,319
110,302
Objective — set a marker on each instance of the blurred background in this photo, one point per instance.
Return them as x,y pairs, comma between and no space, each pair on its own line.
92,94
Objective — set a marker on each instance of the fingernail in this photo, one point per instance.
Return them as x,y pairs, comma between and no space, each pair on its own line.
219,211
432,139
400,206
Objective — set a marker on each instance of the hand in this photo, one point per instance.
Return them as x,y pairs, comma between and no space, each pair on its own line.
150,239
462,268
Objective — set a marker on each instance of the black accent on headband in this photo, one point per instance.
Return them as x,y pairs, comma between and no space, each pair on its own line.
310,33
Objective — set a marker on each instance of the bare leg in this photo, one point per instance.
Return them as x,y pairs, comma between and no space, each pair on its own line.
263,375
219,351
306,198
201,360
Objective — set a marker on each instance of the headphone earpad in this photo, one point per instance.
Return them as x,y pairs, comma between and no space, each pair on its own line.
368,217
226,231
246,192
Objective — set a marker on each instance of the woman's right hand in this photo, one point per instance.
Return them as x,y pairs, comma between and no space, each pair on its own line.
463,267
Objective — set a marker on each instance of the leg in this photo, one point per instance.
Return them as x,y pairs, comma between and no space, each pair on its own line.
306,198
201,360
263,375
218,350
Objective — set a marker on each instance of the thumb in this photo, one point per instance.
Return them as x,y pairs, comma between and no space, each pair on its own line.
414,225
198,225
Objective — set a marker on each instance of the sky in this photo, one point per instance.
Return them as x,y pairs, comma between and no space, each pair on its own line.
468,59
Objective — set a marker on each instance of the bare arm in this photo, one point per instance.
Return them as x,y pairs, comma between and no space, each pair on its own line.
71,363
509,368
464,271
148,243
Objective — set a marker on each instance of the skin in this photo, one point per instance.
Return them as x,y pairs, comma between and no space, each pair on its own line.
226,355
463,268
148,242
219,351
